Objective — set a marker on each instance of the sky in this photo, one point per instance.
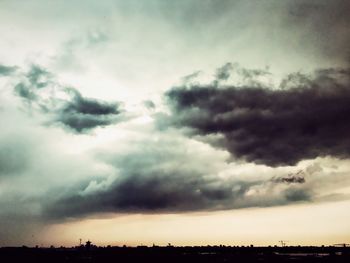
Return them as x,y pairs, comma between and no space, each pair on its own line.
185,122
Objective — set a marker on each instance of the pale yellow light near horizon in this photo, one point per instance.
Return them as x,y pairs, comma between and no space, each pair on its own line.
303,224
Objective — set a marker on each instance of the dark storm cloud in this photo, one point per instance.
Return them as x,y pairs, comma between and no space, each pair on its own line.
81,114
78,113
82,122
136,193
153,180
150,191
271,126
150,180
6,70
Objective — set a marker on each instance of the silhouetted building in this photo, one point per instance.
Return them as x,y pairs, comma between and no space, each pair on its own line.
88,245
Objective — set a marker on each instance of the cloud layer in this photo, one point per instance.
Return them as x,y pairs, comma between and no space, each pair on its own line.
172,174
82,114
308,119
65,105
152,170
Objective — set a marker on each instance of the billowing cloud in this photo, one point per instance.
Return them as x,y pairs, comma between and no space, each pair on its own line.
157,183
152,170
81,114
66,106
148,170
272,126
170,174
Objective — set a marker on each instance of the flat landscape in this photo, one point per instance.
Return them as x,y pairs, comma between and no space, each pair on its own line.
176,254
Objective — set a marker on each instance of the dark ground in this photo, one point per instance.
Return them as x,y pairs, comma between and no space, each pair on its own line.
176,254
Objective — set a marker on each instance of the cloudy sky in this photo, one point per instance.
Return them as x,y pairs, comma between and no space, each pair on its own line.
185,122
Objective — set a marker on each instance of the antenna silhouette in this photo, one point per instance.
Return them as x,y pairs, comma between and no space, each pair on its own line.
283,242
